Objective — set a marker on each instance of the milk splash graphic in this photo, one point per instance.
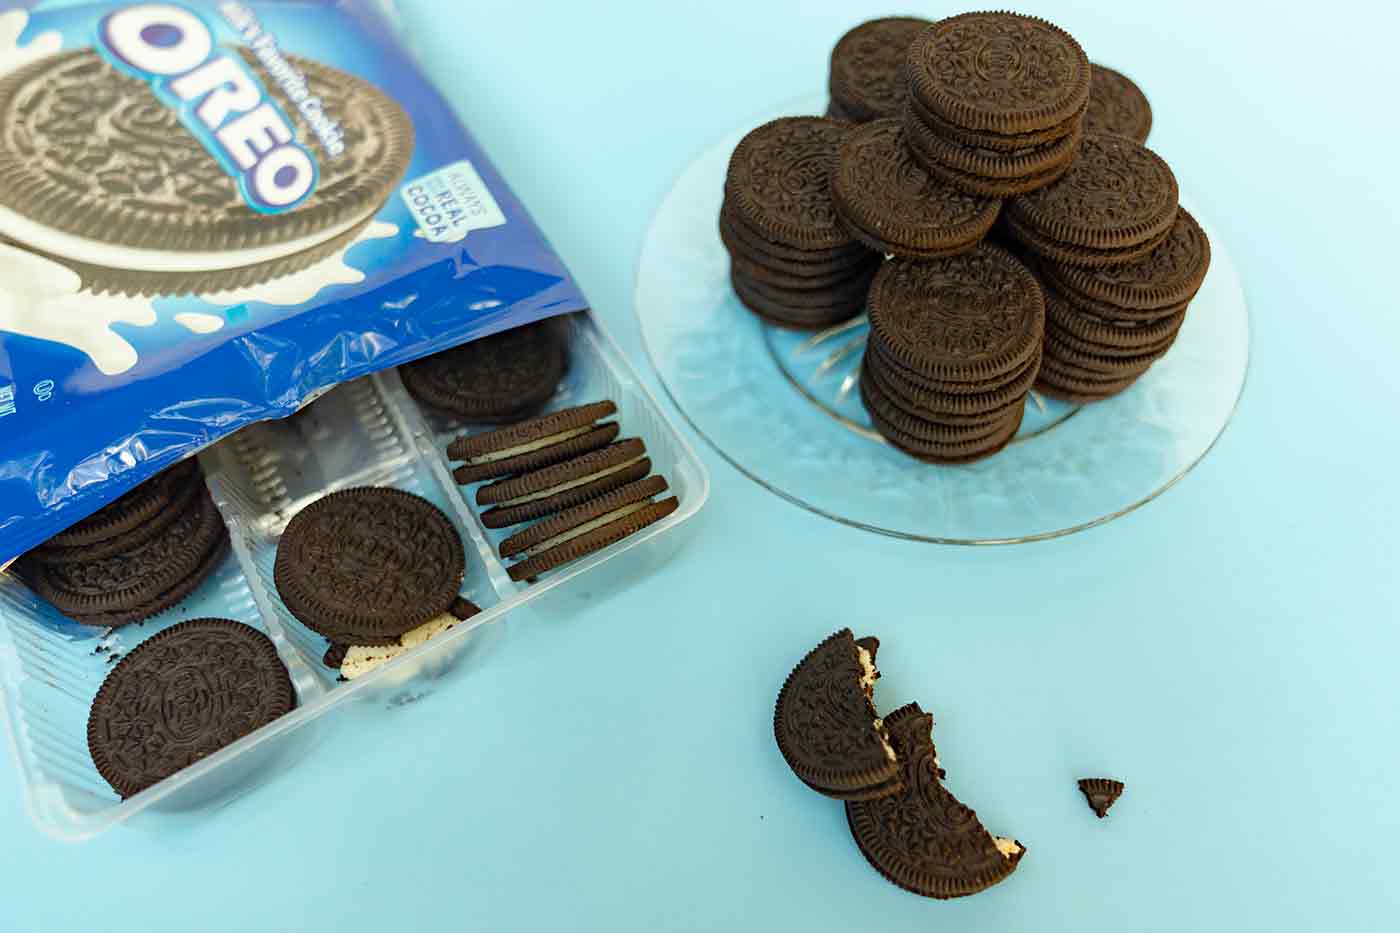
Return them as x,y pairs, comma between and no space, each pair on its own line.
12,54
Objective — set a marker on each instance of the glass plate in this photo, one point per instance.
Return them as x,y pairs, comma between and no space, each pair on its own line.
783,407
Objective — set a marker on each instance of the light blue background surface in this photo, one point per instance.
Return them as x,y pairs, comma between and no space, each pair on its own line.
1230,650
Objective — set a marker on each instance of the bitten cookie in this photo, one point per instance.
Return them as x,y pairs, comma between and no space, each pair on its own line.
922,838
826,726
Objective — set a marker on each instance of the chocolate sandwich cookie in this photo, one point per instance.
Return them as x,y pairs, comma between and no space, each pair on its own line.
867,68
355,661
890,202
996,102
1101,793
826,725
182,695
1117,106
362,566
921,837
965,318
144,504
552,486
529,445
146,209
497,379
587,528
1117,202
139,582
1001,73
777,183
1164,279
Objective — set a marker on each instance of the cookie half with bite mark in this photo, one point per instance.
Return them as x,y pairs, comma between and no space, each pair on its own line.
826,726
922,838
529,445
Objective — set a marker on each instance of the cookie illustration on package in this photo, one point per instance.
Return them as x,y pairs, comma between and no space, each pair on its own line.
160,163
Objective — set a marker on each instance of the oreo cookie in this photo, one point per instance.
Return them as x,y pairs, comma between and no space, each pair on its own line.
182,695
867,68
363,566
587,528
996,102
1117,203
921,837
893,205
1100,793
151,571
142,208
529,445
1117,106
493,380
826,726
563,485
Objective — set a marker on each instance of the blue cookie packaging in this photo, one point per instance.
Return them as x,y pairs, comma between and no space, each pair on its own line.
211,212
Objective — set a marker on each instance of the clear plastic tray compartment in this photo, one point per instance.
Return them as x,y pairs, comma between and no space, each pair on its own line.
596,372
364,433
52,668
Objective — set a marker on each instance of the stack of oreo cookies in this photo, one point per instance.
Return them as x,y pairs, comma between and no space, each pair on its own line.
1106,326
996,102
867,69
1115,210
570,474
134,558
954,347
791,261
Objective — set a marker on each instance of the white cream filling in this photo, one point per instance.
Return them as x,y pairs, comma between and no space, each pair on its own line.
585,528
96,252
361,659
1007,847
867,683
868,671
571,484
532,446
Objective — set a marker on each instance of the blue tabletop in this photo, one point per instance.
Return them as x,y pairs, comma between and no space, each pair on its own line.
1229,650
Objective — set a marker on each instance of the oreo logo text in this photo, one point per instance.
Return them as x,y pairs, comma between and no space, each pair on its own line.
217,97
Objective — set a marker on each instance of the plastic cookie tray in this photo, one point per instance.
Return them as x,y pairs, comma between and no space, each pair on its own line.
366,432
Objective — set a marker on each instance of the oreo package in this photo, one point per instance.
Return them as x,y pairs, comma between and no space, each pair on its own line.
210,212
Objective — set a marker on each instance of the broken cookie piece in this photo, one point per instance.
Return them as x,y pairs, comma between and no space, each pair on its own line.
357,660
1101,793
922,838
826,726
